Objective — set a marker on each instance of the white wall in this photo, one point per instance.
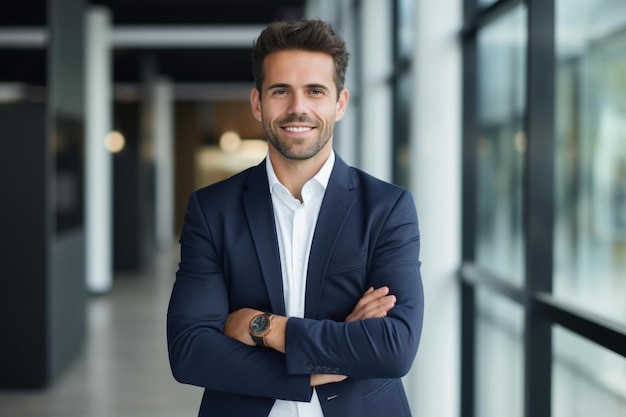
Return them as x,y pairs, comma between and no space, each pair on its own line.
376,95
436,183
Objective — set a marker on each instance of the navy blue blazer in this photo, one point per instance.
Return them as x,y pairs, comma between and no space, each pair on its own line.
366,236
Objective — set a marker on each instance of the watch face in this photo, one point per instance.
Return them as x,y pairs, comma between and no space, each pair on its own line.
259,324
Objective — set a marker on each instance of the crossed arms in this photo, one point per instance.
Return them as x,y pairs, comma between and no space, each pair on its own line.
375,303
208,339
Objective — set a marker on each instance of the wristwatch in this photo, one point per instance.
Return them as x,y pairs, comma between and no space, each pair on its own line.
260,326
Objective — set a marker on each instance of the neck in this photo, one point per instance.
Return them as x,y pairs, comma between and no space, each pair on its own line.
293,174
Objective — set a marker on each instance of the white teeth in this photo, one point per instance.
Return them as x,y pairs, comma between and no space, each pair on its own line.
297,129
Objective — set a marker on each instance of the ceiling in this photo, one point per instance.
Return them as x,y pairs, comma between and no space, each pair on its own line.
192,62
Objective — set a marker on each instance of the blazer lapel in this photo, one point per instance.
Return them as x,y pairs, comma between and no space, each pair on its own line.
258,207
338,201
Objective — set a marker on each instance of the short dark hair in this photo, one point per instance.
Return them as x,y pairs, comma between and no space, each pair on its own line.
306,35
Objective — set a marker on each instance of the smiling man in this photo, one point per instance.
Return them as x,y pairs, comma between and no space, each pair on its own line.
299,290
299,109
300,102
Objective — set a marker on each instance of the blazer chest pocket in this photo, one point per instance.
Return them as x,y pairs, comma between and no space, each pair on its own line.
347,263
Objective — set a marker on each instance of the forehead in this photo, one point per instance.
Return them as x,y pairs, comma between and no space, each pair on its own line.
296,67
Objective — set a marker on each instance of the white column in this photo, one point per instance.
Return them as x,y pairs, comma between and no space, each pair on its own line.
164,162
98,181
345,130
434,381
377,60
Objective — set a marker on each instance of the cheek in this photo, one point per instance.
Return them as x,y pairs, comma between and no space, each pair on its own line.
271,113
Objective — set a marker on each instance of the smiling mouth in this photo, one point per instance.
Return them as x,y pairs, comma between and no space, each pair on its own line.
298,129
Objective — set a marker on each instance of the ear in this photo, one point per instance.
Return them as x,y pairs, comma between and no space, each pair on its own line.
255,104
342,104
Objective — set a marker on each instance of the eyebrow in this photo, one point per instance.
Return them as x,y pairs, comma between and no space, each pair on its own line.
312,85
320,86
278,85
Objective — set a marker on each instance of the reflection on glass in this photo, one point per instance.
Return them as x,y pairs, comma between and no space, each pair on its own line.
499,356
501,144
590,229
584,387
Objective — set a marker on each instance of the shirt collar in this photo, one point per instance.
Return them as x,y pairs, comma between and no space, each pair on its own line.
322,176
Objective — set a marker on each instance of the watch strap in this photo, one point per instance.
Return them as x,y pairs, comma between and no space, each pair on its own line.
259,340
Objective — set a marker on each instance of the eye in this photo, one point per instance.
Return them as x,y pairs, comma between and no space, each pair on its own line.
317,92
279,92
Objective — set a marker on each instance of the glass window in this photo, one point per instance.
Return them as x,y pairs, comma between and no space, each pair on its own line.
583,387
501,144
485,3
590,193
405,18
499,356
402,118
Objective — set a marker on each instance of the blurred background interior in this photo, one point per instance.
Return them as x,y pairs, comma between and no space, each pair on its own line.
505,119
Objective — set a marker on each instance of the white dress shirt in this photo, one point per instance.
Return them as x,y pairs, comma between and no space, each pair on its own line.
295,225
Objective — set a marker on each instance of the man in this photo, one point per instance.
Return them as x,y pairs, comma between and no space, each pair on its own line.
299,290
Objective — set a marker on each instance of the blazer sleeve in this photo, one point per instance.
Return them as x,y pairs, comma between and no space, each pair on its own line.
372,348
200,354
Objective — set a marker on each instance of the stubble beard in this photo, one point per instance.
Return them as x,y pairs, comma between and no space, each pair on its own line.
294,152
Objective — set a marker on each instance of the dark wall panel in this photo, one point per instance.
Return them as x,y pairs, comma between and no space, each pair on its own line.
128,235
24,241
42,288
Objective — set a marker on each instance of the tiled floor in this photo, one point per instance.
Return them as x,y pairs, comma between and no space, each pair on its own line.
123,370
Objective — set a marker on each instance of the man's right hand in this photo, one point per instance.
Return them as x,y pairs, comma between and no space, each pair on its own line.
375,303
322,379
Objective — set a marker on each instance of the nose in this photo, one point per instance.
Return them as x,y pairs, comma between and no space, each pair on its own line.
298,104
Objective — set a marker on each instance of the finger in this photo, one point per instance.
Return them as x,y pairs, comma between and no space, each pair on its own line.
373,309
364,303
378,308
370,295
322,379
